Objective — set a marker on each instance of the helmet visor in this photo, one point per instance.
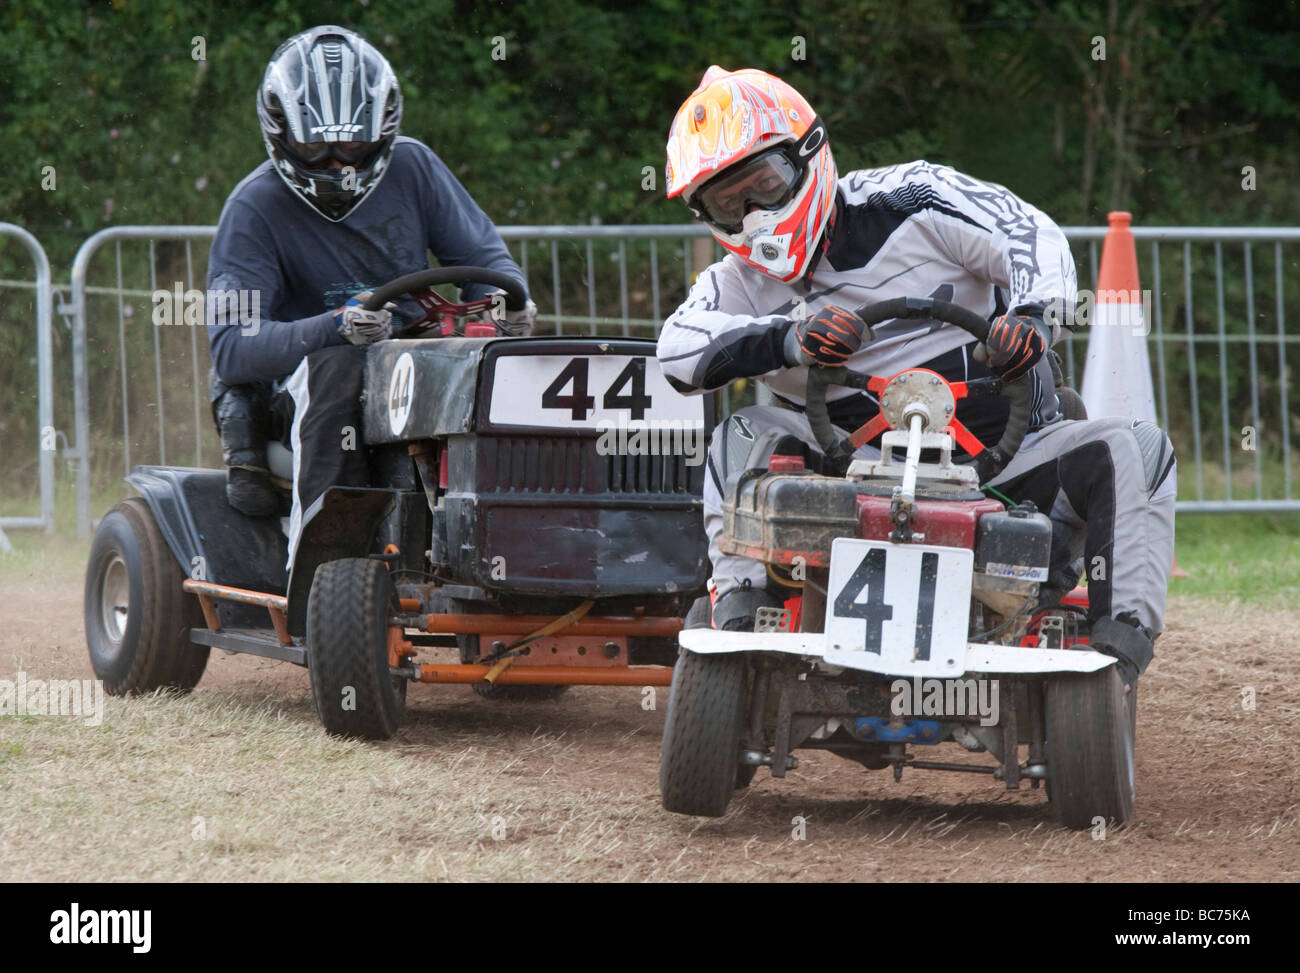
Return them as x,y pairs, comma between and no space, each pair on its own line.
317,153
767,181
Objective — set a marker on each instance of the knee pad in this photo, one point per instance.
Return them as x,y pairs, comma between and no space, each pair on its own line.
243,420
1157,453
738,438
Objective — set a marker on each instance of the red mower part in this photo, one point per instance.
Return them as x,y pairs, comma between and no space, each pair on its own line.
783,463
879,423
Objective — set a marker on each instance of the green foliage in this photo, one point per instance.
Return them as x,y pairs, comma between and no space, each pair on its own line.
559,130
562,129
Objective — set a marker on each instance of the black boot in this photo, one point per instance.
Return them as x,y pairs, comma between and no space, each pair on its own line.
251,492
1128,641
734,611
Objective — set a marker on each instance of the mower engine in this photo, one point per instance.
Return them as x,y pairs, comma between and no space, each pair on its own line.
788,516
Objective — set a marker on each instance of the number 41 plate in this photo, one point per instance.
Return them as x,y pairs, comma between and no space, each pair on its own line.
898,609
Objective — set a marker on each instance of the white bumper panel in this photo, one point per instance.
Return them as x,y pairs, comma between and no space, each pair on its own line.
1011,659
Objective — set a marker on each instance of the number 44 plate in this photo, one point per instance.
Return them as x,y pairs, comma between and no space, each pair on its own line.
906,604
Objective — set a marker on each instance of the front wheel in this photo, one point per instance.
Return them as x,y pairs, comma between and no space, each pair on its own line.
137,614
1090,728
348,609
699,764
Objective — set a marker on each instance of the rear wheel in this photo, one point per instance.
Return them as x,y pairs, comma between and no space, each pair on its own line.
699,764
470,654
348,609
1090,726
137,615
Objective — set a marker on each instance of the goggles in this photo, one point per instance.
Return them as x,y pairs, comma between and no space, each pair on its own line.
767,181
349,153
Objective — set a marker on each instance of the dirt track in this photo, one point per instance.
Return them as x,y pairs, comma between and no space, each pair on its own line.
569,789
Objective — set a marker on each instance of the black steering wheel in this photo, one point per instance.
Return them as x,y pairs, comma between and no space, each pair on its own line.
437,309
988,461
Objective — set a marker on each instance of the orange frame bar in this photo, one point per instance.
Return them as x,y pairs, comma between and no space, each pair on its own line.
245,595
276,605
550,675
648,626
527,624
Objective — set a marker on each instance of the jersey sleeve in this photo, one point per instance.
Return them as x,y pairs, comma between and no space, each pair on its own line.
997,235
244,287
715,337
460,233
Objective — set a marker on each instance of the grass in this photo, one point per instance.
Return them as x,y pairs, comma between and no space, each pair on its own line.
36,553
238,782
1251,558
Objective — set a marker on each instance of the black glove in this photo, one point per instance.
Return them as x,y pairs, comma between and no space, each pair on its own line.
827,338
1015,345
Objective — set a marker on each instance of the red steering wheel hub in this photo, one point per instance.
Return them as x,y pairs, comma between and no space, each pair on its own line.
441,313
917,387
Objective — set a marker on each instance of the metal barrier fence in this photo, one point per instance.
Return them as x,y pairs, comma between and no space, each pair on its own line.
655,266
45,434
1224,342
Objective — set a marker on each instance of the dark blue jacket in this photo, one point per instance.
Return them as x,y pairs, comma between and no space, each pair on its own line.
301,267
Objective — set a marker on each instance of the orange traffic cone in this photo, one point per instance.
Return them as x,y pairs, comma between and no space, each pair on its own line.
1117,371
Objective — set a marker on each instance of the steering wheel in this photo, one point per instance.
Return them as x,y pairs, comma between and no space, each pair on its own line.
988,461
438,311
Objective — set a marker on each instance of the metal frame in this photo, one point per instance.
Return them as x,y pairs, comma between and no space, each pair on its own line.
583,240
402,649
80,378
45,382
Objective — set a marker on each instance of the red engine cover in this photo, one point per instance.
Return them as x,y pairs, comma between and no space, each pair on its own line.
949,523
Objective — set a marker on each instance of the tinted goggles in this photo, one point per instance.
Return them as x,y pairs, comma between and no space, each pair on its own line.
315,153
768,181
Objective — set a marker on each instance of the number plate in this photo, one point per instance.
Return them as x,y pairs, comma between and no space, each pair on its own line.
906,604
587,392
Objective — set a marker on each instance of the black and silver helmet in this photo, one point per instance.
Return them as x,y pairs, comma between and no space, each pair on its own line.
328,93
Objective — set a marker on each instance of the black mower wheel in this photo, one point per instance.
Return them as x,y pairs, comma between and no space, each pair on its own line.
701,616
136,613
699,763
1090,728
348,609
469,654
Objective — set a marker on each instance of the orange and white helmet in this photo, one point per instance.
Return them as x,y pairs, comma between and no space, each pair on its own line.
752,160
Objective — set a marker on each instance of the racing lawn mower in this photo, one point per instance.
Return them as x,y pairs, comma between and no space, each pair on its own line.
918,614
502,526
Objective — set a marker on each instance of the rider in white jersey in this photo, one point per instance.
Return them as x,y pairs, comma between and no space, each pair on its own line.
805,247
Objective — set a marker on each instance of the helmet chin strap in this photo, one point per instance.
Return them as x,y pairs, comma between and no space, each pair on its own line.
824,245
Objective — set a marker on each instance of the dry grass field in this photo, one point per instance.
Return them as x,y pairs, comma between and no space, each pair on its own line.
239,782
